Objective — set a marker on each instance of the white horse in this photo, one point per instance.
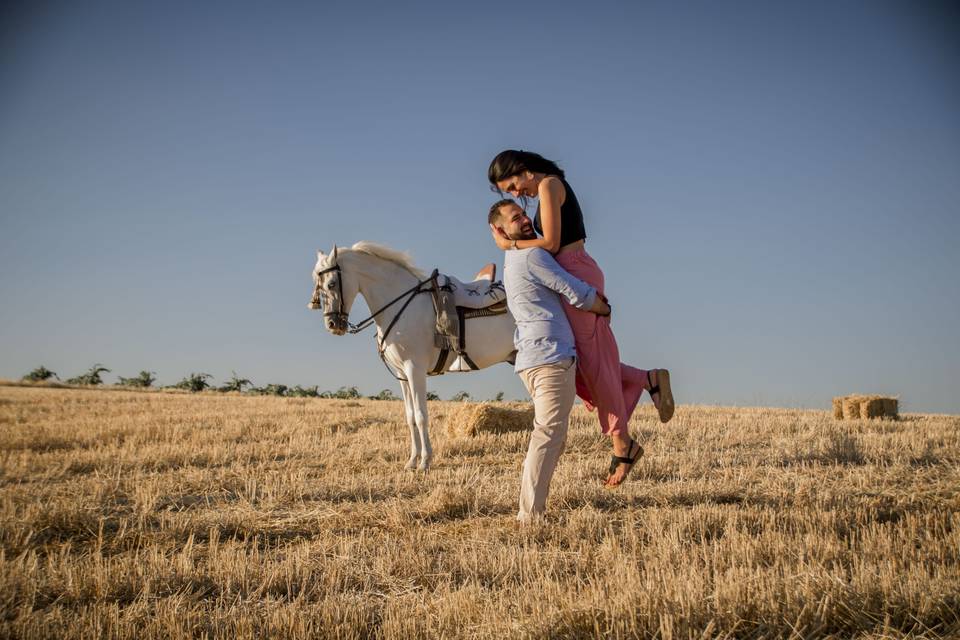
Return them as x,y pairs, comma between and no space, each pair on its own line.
403,311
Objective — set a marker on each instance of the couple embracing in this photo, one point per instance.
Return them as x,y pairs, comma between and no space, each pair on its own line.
565,346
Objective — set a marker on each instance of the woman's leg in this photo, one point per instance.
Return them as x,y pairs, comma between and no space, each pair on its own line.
635,381
603,381
612,387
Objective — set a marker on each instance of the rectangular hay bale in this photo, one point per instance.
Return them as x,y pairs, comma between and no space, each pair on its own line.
473,418
851,408
891,408
838,408
858,406
871,407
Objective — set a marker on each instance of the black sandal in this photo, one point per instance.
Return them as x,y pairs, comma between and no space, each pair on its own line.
665,406
616,461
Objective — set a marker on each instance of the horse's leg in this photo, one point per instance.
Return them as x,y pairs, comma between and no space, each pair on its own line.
417,380
411,423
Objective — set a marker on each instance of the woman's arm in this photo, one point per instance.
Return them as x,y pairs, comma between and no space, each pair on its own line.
551,194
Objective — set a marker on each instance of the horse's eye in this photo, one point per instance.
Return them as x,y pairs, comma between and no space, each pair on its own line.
330,285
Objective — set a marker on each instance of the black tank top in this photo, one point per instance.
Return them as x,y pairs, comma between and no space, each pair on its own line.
571,219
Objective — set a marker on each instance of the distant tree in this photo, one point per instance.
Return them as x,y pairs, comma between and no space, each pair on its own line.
144,380
40,374
194,382
91,377
303,392
270,390
499,397
460,396
327,394
347,393
235,383
432,396
385,394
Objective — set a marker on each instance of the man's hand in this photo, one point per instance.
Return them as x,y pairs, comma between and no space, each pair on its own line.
601,306
500,237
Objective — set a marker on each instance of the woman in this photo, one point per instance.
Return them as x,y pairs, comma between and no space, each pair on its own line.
603,382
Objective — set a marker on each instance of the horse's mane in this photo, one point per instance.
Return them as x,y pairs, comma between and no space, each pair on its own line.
399,258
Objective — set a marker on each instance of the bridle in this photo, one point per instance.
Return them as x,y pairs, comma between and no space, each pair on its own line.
317,301
344,319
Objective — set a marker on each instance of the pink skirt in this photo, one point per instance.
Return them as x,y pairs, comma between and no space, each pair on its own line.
603,382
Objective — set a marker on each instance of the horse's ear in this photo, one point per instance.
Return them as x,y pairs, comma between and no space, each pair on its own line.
334,253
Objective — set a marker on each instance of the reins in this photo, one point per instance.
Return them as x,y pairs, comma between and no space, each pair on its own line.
412,291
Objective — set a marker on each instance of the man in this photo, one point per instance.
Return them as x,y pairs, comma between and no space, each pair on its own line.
545,348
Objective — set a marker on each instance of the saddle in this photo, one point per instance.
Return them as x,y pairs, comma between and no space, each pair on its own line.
456,302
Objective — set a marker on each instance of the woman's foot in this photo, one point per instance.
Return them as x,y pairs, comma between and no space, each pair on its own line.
620,466
661,393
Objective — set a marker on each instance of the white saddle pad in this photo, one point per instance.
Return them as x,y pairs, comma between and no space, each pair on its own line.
473,295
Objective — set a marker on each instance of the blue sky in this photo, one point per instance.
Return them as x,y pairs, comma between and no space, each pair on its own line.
772,190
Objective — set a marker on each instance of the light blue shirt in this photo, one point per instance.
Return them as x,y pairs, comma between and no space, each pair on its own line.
534,282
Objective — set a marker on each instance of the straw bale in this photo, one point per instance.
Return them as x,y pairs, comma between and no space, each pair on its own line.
473,418
858,406
851,408
891,407
871,407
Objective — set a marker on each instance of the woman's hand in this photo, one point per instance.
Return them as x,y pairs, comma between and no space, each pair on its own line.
500,237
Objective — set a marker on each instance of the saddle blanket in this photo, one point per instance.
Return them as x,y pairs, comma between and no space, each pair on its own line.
478,294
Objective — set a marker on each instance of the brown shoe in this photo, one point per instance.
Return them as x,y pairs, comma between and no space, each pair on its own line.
663,403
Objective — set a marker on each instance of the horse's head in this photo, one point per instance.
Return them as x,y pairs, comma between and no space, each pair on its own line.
334,291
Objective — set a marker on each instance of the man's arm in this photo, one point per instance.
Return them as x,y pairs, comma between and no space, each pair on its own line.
546,270
601,306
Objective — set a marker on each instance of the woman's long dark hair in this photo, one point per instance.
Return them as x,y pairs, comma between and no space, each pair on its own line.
511,162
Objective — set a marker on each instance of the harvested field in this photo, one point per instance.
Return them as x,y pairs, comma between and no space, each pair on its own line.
153,515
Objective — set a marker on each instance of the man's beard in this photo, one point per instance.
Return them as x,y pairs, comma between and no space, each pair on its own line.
530,234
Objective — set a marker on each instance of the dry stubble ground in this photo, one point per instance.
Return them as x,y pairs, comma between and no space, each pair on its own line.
156,515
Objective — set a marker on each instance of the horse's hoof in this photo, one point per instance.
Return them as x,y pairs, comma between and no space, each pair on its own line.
411,465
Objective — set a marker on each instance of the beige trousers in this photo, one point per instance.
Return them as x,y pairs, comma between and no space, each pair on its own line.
553,388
